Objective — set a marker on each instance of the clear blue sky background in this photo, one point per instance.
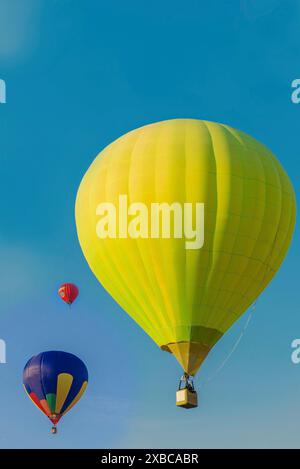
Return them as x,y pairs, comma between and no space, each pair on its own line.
80,74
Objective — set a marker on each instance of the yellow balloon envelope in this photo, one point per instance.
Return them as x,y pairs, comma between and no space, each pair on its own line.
185,293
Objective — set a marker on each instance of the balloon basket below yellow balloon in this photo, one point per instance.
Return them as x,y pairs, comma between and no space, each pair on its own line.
186,399
186,396
53,430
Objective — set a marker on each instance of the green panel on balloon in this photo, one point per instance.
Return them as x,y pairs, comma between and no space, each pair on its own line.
51,400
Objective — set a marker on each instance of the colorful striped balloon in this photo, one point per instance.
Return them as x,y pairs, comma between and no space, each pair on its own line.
55,381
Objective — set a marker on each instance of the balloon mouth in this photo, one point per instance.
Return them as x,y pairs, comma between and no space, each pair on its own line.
190,355
55,418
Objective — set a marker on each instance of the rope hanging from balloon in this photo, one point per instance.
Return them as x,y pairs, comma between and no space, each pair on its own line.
235,346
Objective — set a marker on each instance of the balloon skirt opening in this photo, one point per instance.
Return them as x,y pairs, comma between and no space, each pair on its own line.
190,355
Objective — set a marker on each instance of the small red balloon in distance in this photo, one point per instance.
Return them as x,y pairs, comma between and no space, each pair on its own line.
68,292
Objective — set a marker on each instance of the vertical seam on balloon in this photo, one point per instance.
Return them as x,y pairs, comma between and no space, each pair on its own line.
225,308
132,300
189,302
289,232
243,295
172,303
235,136
206,317
288,237
169,309
144,265
25,373
112,267
225,311
269,272
190,313
42,382
266,260
150,328
213,308
279,219
195,315
163,316
232,316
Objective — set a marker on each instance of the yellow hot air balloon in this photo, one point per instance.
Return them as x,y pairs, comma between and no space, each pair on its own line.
185,292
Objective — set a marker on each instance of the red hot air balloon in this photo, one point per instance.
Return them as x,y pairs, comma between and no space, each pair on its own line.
68,292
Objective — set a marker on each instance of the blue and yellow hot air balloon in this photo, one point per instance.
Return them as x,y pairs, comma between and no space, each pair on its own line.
185,299
55,381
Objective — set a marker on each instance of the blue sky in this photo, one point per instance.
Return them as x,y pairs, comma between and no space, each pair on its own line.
79,75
